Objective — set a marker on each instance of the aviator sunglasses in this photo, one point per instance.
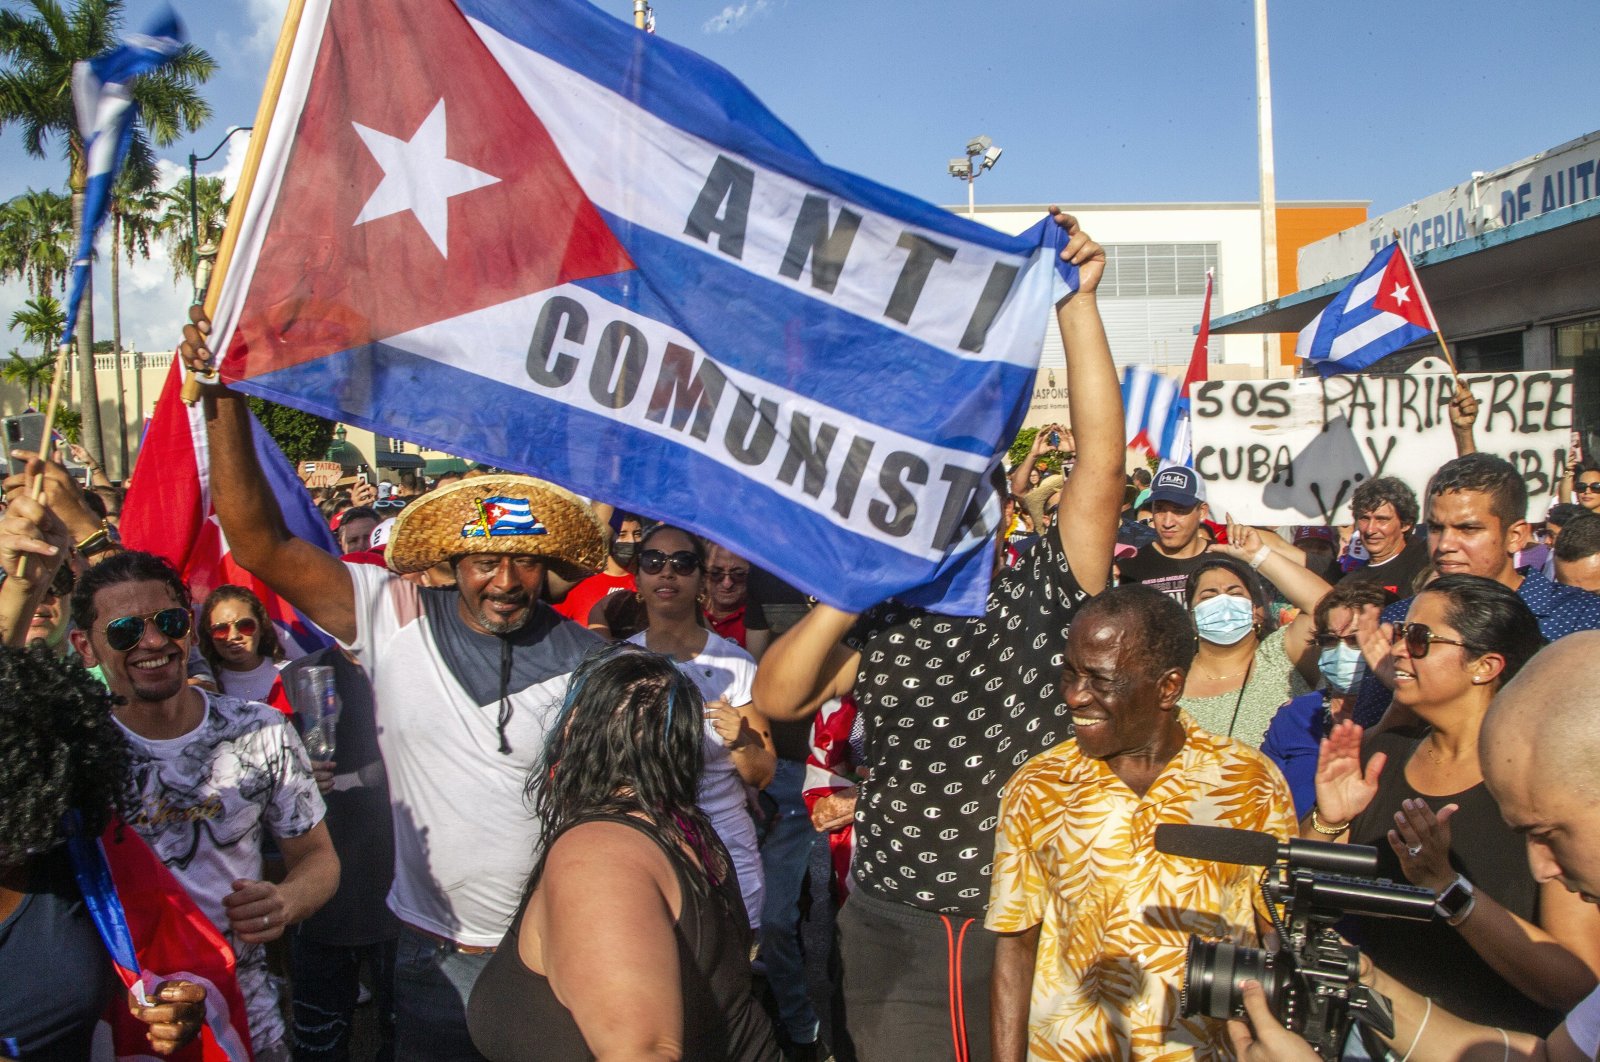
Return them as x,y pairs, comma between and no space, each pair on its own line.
651,561
1419,639
247,627
124,632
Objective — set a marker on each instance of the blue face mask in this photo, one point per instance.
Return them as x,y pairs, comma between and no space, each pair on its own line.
1224,619
1343,666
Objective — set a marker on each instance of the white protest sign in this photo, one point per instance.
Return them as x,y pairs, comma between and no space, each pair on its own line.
1276,452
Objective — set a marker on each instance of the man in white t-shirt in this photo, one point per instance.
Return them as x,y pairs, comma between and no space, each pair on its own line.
209,773
465,681
1540,753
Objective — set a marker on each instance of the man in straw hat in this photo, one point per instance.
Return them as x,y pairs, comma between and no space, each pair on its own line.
465,680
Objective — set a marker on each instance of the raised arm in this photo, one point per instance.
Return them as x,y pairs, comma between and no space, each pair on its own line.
1091,502
27,530
312,580
808,665
1302,587
1041,443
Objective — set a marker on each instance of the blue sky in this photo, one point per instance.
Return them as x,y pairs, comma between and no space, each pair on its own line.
1092,100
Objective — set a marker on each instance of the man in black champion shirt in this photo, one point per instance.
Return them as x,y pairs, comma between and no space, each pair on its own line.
951,707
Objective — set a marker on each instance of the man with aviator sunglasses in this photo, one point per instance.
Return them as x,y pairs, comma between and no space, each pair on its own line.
210,772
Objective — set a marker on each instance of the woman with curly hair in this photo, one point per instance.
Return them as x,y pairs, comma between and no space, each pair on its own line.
238,641
62,755
632,941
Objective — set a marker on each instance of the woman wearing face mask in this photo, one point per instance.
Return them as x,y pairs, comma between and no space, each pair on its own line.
738,739
1246,668
1297,730
1506,949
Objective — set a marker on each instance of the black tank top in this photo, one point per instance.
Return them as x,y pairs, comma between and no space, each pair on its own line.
514,1015
1432,957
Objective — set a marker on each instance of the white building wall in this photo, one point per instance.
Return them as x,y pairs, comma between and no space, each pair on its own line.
1235,228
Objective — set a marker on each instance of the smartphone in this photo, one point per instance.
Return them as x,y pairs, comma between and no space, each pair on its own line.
361,478
24,431
1055,439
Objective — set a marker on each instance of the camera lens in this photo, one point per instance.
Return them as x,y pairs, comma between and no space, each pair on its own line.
1212,976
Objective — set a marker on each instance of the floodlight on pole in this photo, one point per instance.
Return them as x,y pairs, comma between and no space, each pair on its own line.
982,154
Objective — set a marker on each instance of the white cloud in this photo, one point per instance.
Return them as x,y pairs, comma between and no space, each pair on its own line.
732,18
263,19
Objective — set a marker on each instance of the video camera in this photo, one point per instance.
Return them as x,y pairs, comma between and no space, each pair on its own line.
1312,982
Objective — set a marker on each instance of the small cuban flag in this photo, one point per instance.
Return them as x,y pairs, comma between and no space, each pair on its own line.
498,517
1378,313
102,95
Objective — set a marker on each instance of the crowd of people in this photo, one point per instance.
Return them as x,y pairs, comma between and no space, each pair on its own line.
553,787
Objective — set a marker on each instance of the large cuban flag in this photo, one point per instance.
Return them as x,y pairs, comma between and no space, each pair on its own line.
524,232
1377,313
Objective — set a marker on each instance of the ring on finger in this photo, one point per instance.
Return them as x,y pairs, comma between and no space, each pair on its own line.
1414,850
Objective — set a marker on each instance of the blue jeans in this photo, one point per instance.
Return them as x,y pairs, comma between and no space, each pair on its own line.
786,859
432,982
325,990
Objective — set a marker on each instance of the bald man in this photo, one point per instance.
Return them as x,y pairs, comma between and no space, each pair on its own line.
1540,750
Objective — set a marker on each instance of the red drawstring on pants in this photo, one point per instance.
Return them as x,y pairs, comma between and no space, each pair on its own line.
954,942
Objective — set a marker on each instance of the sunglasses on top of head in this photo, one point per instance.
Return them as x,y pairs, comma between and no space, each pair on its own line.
684,562
246,626
1419,638
124,632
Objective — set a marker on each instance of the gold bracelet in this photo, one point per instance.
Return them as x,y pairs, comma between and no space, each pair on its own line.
1323,828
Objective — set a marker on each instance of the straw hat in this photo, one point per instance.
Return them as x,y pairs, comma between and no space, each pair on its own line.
516,515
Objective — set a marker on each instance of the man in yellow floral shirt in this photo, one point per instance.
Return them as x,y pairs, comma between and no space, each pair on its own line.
1095,921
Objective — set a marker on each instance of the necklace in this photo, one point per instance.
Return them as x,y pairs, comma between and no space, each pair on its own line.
1227,675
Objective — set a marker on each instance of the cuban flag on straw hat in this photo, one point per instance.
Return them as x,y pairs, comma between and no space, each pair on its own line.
1380,311
102,94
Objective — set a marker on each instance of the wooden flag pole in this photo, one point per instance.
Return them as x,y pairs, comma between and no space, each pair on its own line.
247,176
44,438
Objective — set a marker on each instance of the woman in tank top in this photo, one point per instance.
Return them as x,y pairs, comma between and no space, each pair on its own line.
632,941
1506,950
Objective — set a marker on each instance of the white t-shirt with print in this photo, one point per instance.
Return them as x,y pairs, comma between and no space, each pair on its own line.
252,685
463,832
202,801
724,672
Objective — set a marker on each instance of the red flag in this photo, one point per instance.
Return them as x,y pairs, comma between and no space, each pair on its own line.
1201,357
173,939
168,510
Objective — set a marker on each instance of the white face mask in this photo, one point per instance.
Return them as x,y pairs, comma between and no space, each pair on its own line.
1224,619
1343,666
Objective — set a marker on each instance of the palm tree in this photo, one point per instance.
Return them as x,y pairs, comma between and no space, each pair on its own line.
42,319
33,375
39,43
175,228
134,202
36,239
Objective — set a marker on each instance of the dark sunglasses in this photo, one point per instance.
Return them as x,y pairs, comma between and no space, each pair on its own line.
651,561
733,575
1328,641
1586,488
1419,639
247,627
124,632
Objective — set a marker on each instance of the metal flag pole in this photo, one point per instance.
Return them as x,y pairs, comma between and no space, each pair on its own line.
1269,193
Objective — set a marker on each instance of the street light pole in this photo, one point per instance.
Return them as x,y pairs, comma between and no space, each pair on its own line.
194,209
982,154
